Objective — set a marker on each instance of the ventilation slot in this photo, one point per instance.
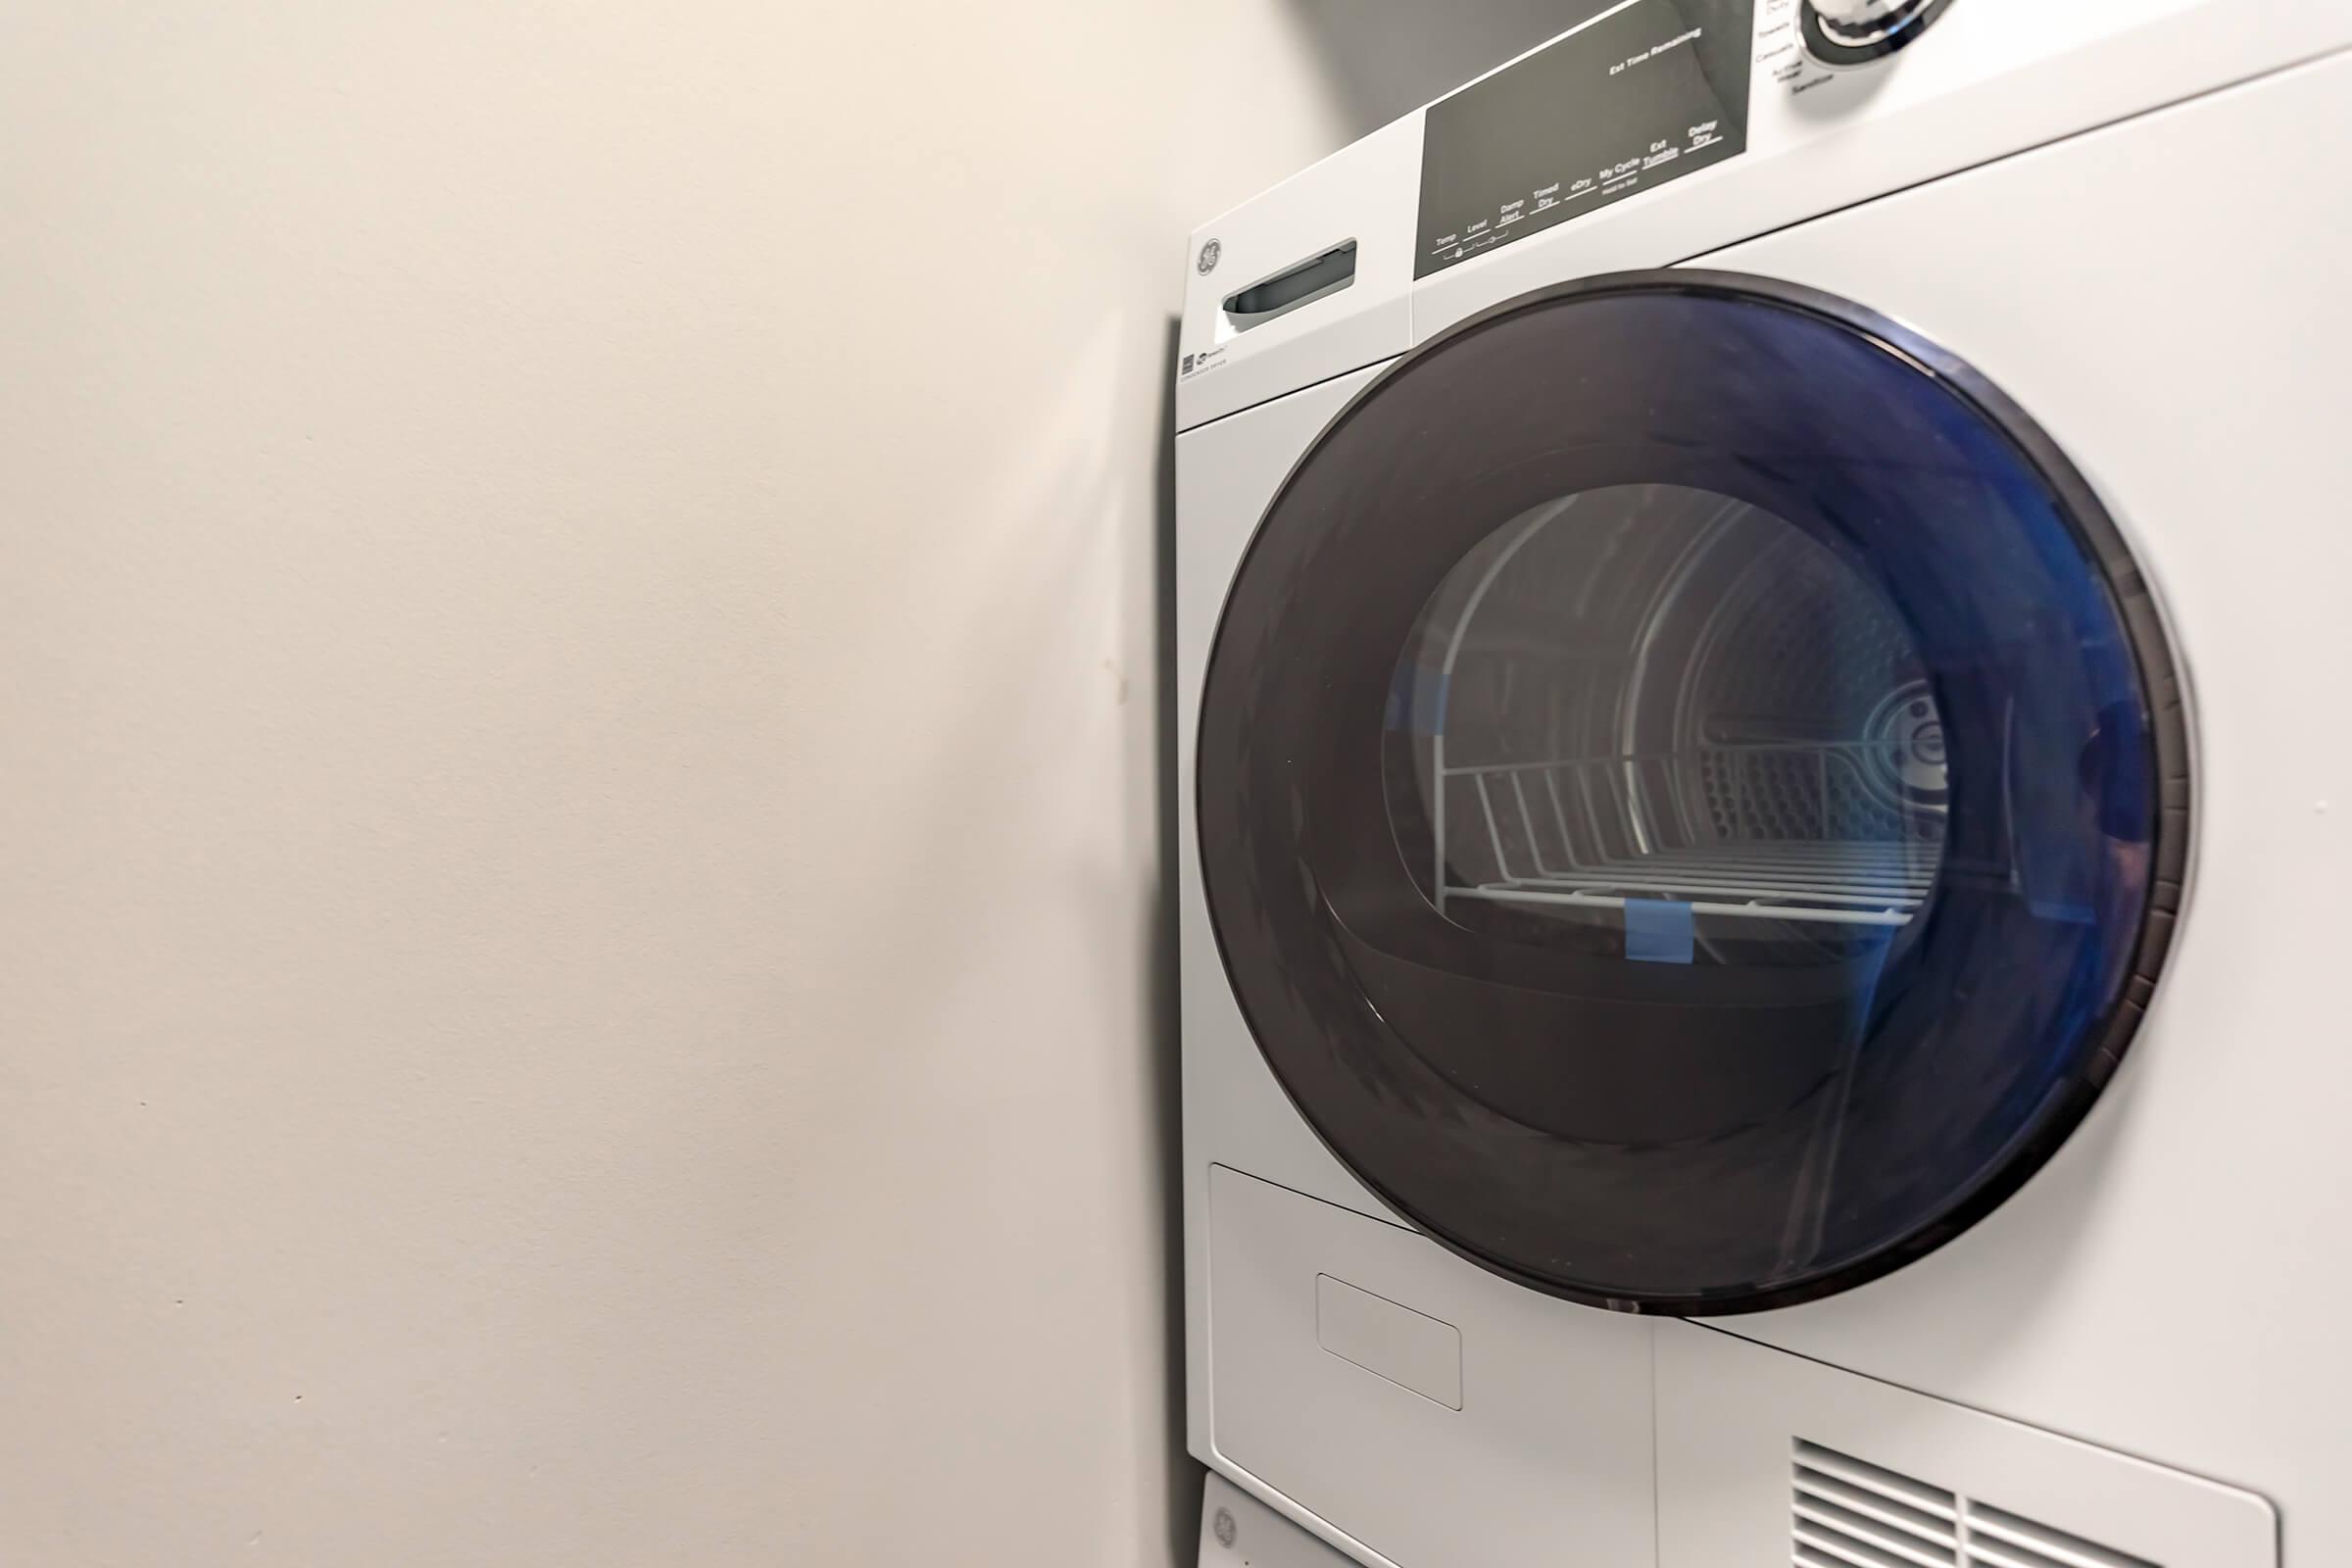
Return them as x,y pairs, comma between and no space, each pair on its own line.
1998,1539
1851,1513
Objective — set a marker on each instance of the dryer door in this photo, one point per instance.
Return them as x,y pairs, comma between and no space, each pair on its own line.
1692,792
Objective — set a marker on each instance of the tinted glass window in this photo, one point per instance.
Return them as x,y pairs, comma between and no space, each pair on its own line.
1692,792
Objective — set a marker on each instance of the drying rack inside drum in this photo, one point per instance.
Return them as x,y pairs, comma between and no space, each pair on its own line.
1659,709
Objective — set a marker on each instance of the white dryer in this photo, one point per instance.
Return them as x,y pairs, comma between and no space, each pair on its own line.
1762,635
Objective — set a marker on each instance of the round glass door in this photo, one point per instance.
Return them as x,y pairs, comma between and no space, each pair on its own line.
1692,793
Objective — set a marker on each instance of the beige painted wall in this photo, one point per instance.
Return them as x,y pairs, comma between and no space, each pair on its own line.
577,839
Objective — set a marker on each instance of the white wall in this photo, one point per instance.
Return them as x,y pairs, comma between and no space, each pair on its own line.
577,838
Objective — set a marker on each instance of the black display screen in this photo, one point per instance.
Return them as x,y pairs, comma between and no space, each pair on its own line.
1634,98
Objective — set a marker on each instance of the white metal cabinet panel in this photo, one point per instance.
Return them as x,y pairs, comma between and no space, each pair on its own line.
1548,1459
1994,78
2171,1283
1234,1110
1360,193
1757,1446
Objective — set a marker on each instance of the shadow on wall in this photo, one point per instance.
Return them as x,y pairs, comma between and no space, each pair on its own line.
1387,57
1168,1024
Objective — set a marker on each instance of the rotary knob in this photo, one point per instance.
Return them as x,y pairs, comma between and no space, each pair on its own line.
1856,33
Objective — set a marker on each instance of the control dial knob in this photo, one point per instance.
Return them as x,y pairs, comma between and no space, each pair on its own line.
1856,33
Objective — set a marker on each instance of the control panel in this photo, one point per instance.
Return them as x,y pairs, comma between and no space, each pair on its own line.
1644,92
1637,96
1779,111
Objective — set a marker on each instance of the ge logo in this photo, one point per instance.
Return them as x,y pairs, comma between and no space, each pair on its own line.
1223,1523
1210,253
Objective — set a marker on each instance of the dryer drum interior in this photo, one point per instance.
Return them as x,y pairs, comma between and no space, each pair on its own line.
1661,695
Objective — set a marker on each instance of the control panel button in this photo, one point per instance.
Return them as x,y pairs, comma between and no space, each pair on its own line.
1859,13
1858,32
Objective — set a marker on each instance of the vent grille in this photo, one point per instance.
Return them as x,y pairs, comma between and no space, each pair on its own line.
1849,1513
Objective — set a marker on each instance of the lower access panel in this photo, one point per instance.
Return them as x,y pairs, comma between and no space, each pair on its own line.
1768,1457
1236,1531
1432,1414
